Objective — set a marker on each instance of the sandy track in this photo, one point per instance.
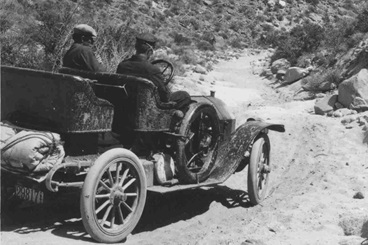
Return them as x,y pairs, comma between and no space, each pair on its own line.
318,165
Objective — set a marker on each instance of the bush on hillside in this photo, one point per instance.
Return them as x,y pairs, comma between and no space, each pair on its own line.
315,81
313,2
204,45
362,21
181,39
301,39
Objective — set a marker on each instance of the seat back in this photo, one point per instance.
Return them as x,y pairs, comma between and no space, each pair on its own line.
135,99
52,102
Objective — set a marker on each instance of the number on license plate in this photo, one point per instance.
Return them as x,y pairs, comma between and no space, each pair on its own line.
29,194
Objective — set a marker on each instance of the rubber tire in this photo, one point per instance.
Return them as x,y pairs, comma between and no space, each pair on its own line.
184,174
261,144
90,185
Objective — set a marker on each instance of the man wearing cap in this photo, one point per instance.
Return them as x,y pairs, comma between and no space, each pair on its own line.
80,55
139,65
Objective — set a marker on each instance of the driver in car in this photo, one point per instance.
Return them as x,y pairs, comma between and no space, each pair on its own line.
139,65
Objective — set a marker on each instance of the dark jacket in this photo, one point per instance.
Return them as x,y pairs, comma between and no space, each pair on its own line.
138,65
80,56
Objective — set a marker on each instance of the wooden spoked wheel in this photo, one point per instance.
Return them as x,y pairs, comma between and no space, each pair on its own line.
113,196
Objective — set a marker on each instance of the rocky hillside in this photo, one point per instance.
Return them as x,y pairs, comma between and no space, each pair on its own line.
35,34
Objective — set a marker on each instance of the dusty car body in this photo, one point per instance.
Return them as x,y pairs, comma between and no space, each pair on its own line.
200,144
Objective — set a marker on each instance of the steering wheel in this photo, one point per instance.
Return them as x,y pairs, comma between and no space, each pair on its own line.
167,69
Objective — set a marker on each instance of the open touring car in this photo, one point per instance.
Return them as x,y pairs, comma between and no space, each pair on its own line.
119,141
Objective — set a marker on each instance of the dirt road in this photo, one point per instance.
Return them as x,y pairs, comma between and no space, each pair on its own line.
319,164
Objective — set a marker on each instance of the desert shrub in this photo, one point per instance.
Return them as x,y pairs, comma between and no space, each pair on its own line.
354,39
305,60
209,37
349,4
114,43
236,42
313,2
362,21
272,38
204,45
261,18
320,60
316,80
280,17
44,36
175,9
217,26
333,76
340,37
148,3
144,9
168,13
247,11
189,57
180,38
195,23
301,39
308,35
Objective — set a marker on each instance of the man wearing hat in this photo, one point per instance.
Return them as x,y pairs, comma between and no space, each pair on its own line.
80,55
139,65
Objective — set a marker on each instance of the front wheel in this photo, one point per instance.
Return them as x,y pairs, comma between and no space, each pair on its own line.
113,196
259,169
196,154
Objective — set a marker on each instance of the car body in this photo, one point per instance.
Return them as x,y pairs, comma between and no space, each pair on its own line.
156,147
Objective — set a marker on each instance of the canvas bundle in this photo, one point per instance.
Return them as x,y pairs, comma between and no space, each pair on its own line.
31,151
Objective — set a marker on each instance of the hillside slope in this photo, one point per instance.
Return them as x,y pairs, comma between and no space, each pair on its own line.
35,34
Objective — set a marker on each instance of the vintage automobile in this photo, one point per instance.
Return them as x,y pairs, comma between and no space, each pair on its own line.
156,148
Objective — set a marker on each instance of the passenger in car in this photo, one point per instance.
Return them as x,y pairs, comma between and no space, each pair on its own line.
139,65
80,55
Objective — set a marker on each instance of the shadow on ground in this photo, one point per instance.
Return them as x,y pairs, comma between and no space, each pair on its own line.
63,218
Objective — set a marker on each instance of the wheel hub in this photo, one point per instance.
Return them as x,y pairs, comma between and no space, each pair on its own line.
118,196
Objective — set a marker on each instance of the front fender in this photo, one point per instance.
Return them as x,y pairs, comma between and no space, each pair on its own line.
232,151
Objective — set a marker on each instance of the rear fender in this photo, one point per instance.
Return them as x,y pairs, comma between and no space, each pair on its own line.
232,151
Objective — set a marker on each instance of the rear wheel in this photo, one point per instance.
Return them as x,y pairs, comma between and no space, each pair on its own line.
113,196
197,153
259,169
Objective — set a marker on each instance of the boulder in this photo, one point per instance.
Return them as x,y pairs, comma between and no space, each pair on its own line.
280,74
354,223
282,3
349,119
338,105
266,73
359,104
293,74
304,95
280,64
207,2
200,69
358,195
271,3
325,105
219,42
354,90
343,112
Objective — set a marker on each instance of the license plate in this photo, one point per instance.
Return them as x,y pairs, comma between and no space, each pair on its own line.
29,194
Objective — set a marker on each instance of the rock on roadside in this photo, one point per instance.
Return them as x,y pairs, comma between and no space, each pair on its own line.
353,92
